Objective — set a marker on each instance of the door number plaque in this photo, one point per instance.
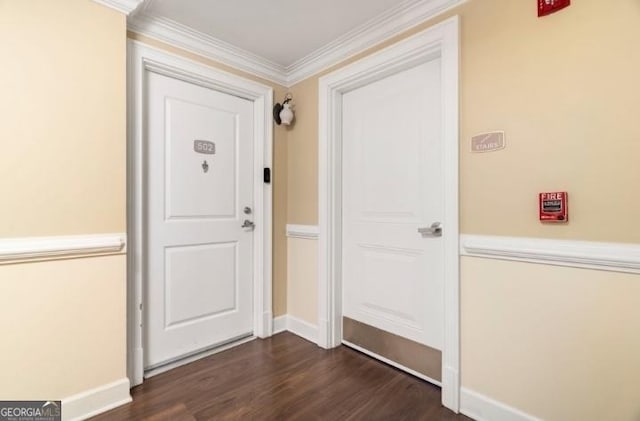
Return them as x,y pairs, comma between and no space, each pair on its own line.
204,146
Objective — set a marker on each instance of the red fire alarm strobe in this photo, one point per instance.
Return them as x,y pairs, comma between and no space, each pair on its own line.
547,7
553,207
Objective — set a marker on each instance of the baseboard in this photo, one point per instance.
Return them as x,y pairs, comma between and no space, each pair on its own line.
296,326
96,401
482,408
279,324
303,329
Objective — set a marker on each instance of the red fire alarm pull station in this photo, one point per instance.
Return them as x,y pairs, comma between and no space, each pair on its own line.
547,7
553,207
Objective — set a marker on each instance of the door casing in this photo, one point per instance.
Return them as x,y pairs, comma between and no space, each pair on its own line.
141,60
440,40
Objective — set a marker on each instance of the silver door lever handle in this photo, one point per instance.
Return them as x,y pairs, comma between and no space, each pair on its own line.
248,224
435,230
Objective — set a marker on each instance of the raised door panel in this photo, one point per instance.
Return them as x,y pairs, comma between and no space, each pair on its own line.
200,185
201,283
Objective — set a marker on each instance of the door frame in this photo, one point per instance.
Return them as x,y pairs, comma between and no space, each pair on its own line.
142,59
441,40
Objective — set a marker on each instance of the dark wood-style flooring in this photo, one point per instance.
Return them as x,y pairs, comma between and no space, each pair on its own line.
284,378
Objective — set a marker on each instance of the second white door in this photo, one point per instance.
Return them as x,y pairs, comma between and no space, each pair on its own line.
393,256
199,178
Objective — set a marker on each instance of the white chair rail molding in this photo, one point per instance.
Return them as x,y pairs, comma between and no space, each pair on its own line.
615,257
57,247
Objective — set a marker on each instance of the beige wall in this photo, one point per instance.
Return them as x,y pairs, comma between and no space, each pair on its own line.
566,91
302,295
558,343
63,327
302,200
63,172
279,172
63,87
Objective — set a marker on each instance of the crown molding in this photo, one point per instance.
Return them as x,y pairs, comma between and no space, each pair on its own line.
403,17
124,6
181,36
384,26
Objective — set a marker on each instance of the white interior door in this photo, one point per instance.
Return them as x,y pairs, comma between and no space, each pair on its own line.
199,177
393,187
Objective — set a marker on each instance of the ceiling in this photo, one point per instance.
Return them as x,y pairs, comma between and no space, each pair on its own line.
281,31
283,41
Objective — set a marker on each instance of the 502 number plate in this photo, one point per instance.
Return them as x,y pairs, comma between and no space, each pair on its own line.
204,146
